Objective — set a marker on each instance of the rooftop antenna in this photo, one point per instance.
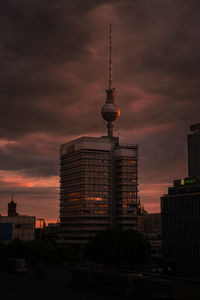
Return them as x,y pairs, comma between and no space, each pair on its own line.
110,60
110,111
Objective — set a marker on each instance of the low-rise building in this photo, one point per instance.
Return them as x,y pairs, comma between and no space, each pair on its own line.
15,226
19,227
149,225
51,231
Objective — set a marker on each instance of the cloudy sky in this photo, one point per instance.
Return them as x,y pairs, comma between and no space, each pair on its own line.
54,63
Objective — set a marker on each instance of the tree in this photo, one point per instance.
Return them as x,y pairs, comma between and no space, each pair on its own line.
38,251
118,247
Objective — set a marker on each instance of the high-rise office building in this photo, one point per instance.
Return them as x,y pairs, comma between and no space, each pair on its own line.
180,210
98,179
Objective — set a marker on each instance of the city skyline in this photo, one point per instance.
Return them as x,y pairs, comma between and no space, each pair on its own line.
54,60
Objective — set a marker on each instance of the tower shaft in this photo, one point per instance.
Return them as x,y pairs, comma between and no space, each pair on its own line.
110,127
110,60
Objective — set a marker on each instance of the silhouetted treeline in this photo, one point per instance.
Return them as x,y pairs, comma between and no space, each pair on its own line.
38,251
118,247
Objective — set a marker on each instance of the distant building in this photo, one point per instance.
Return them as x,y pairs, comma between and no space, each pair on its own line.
12,206
51,231
149,225
20,227
15,226
194,150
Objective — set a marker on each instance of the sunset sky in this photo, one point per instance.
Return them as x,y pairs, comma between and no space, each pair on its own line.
54,72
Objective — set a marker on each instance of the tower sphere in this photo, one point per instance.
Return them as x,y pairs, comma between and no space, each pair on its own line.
110,112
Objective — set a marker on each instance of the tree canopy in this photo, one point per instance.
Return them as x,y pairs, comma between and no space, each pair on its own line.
118,247
38,251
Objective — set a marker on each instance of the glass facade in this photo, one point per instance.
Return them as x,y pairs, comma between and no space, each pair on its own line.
98,187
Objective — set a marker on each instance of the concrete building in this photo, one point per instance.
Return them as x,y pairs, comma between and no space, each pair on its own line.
98,187
149,225
98,180
15,226
180,210
51,231
20,227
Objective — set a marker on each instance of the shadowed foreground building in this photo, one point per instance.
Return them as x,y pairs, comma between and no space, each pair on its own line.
51,231
149,225
98,180
180,210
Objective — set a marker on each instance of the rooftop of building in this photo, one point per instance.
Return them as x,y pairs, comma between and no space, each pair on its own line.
195,127
150,215
103,143
187,181
102,139
185,186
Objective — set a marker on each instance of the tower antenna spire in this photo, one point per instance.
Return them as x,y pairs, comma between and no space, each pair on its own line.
110,111
110,59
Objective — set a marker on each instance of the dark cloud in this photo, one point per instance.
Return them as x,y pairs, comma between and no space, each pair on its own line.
39,202
53,77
